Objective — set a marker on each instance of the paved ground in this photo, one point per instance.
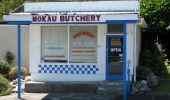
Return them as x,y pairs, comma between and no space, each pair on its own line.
83,96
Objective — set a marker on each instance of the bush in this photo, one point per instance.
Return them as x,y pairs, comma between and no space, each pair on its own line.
4,68
142,72
5,87
13,74
10,57
154,62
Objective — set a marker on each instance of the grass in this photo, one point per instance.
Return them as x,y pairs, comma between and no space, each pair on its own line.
163,86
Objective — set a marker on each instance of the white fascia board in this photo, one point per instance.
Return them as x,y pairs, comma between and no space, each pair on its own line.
17,18
82,6
103,17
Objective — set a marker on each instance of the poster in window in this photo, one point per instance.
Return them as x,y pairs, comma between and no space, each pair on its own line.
83,44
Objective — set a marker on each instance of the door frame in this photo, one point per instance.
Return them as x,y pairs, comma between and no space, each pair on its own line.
123,35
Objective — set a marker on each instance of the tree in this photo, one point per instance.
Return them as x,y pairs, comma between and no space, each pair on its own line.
157,16
7,6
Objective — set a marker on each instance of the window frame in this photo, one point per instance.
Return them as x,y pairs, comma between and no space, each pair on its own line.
69,40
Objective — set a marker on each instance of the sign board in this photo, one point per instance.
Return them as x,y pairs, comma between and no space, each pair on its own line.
65,18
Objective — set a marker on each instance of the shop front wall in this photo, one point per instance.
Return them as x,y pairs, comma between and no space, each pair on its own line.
68,67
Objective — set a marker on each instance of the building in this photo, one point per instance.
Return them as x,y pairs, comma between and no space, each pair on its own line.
82,41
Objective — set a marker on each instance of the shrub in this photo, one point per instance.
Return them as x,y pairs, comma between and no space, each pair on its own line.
4,68
14,72
142,72
10,57
5,87
154,62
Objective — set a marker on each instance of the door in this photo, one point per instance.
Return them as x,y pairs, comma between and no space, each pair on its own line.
115,57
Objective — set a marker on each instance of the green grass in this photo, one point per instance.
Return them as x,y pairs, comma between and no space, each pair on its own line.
163,86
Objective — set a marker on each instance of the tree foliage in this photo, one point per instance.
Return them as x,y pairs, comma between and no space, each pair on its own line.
157,16
7,6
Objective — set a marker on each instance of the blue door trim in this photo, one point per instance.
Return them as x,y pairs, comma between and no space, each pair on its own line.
124,63
123,76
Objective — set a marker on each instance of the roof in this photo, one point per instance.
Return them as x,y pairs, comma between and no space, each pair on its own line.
87,6
108,10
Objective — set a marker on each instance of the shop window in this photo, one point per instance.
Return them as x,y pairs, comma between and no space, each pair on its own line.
83,44
114,28
54,44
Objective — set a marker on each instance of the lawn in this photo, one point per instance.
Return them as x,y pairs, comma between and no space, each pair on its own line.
163,86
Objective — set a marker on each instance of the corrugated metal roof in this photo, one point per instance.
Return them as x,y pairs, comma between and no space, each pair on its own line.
91,6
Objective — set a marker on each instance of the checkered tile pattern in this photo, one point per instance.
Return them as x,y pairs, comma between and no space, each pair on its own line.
68,69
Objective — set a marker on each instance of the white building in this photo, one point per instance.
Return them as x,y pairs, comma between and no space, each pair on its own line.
82,41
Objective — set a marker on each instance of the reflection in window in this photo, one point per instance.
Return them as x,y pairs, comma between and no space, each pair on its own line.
54,44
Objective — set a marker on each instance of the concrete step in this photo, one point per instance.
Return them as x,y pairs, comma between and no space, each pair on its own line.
61,87
104,87
110,87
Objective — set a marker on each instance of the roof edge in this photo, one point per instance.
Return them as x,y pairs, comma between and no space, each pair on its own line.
142,23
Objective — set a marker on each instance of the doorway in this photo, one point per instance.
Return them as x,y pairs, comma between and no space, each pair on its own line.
115,49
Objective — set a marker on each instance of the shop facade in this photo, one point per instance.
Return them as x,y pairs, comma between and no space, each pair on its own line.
82,43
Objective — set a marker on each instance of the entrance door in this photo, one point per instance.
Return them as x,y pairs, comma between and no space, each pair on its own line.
115,57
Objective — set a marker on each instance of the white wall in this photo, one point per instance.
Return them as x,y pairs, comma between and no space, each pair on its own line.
130,48
35,47
132,55
133,47
8,42
138,44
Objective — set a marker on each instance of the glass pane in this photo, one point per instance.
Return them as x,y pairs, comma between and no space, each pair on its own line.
114,28
115,56
83,44
54,44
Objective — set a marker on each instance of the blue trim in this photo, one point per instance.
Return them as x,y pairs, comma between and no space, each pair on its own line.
120,21
107,22
19,61
18,22
128,72
124,64
114,77
107,49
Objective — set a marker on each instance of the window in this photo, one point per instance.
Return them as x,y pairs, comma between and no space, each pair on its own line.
83,44
54,44
115,28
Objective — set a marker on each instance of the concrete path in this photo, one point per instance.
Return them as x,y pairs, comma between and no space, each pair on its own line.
82,96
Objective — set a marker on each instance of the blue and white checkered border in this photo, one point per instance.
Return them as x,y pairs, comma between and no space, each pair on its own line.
68,69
